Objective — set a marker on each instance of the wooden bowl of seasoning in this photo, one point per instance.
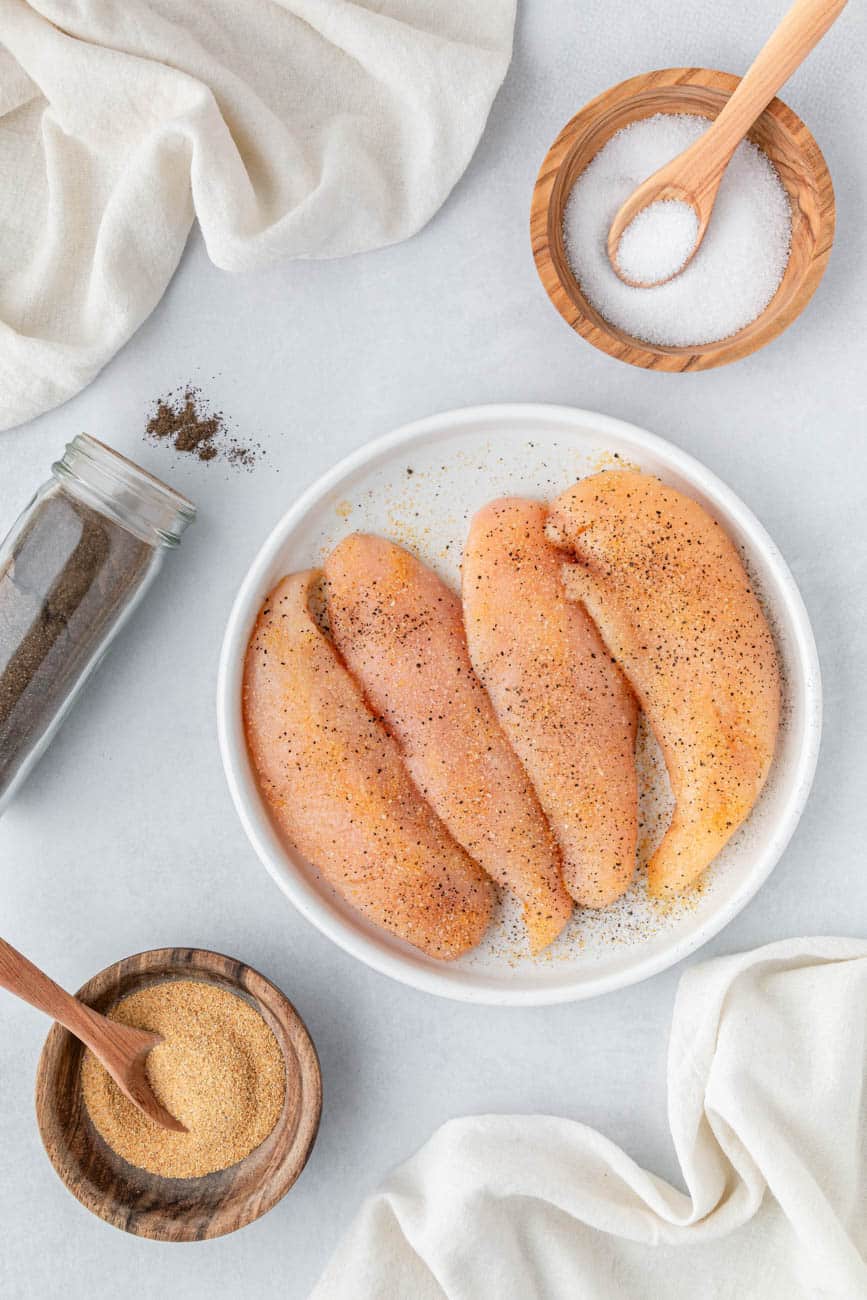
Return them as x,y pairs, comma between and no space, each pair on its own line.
237,1066
701,92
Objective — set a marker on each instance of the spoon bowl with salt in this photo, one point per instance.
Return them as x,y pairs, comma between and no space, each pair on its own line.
659,229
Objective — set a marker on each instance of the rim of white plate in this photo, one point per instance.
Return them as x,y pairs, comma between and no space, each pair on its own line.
443,980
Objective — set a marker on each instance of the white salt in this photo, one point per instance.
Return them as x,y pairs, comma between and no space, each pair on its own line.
657,242
735,272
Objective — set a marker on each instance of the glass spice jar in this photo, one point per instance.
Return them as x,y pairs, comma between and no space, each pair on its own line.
72,569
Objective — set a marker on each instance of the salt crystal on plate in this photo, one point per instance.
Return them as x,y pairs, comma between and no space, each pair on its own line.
734,274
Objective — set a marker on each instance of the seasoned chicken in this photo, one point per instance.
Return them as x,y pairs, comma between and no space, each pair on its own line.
399,629
565,707
338,789
677,611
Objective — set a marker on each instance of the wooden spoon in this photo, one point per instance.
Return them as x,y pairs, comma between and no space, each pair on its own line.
121,1049
694,176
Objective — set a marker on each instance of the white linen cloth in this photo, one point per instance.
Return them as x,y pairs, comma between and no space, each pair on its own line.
767,1111
290,128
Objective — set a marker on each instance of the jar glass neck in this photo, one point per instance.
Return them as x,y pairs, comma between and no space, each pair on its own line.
119,488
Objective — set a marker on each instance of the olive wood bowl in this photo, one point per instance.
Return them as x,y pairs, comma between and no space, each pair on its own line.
778,131
178,1209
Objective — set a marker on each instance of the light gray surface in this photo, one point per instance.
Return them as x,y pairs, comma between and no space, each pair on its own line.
125,838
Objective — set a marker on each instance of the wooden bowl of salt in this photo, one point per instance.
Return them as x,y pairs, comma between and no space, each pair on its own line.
180,1208
779,133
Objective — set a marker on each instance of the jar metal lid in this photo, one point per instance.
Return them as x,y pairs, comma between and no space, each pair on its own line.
118,487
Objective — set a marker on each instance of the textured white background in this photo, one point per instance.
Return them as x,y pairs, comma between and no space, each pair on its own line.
125,839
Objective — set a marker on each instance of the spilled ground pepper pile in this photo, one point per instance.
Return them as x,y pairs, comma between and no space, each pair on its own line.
185,419
219,1070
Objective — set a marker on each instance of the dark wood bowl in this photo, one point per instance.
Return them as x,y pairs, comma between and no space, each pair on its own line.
779,132
178,1209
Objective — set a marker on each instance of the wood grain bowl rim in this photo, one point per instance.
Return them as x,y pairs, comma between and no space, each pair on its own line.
164,1209
548,202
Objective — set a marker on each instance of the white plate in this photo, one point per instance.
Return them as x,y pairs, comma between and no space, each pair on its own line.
420,485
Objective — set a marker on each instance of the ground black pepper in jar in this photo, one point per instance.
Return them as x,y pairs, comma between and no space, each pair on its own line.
72,569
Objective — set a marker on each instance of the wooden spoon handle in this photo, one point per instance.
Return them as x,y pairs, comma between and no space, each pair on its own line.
800,30
32,985
121,1048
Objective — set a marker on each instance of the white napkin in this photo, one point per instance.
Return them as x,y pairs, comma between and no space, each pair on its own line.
290,128
767,1111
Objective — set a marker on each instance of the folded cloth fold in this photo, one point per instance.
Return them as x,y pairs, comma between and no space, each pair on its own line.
767,1113
289,128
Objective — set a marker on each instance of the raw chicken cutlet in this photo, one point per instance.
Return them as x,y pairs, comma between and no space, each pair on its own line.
676,609
338,789
565,707
400,631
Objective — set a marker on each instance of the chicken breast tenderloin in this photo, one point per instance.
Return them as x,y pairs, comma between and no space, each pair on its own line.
565,707
676,609
338,789
400,630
